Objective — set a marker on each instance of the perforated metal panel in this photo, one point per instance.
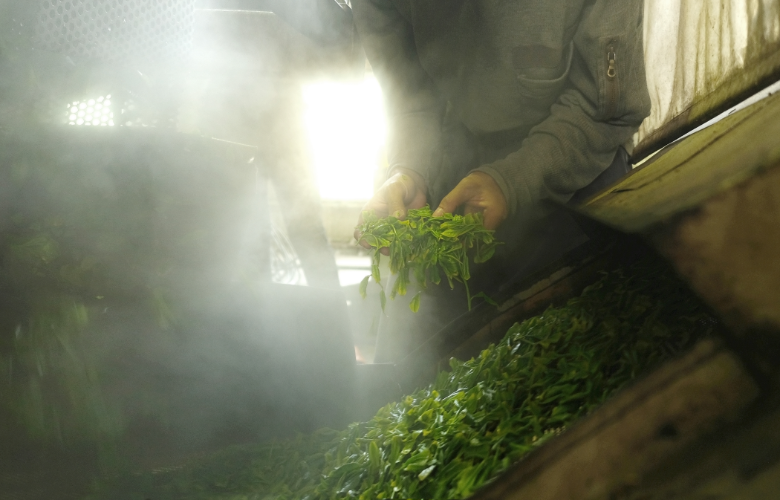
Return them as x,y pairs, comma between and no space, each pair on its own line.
115,31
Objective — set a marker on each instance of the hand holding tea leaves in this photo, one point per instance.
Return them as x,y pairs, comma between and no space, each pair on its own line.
426,248
403,190
477,193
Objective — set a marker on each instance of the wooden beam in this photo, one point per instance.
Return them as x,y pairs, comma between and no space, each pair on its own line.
687,173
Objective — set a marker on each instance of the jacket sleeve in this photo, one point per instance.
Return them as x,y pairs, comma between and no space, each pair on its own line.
414,112
602,106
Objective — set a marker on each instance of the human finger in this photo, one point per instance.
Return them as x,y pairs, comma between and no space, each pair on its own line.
453,200
493,214
492,217
395,195
377,205
359,238
357,234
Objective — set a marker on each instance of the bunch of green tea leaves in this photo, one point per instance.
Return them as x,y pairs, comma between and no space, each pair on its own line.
426,247
447,440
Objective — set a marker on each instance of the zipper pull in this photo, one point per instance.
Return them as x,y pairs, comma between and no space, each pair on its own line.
611,70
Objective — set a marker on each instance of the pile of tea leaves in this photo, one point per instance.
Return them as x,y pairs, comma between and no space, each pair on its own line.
426,247
474,421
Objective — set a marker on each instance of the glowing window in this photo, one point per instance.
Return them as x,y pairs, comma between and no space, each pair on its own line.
346,127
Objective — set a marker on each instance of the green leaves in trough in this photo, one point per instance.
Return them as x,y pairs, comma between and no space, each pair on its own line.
474,421
426,248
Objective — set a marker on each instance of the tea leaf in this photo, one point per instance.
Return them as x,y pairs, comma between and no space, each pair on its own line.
364,286
424,246
484,296
414,305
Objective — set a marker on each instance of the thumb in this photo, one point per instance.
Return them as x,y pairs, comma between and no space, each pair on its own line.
395,200
453,200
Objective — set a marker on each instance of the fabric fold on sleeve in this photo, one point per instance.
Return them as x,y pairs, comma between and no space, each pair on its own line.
590,119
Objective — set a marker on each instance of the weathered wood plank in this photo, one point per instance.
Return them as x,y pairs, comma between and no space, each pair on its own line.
693,170
738,462
729,251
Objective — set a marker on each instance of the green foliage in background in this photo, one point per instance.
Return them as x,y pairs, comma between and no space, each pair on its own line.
105,235
426,248
68,250
474,421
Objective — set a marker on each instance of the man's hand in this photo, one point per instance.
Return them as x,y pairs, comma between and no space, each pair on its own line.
403,190
477,192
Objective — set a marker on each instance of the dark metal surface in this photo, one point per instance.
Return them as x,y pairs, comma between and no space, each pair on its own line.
115,30
161,196
324,21
231,363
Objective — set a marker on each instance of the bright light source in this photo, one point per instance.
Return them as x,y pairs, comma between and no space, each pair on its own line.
346,127
91,112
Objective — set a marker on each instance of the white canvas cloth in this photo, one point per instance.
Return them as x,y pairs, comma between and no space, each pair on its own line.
701,53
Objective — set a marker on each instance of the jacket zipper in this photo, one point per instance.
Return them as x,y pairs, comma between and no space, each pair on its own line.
612,83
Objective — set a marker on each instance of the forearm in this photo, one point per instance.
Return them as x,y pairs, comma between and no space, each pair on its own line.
563,154
603,105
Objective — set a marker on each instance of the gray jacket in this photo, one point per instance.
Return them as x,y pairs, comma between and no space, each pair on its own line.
561,80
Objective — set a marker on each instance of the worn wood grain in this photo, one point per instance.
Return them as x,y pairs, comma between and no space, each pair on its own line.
728,251
693,170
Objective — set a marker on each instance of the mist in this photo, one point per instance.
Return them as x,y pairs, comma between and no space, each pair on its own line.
138,320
